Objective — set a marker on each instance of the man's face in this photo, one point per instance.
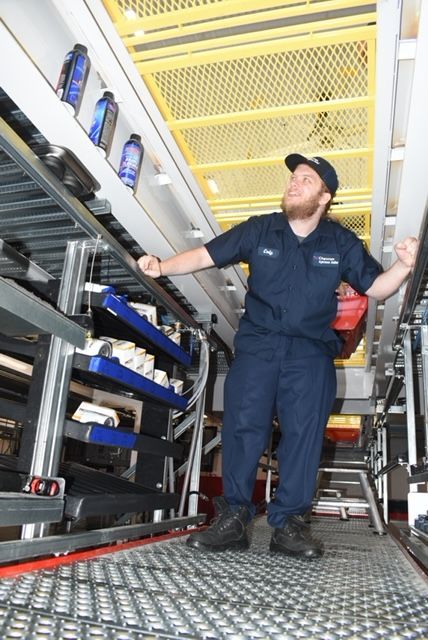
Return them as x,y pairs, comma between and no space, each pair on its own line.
305,194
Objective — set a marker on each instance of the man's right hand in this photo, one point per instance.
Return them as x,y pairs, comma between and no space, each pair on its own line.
150,266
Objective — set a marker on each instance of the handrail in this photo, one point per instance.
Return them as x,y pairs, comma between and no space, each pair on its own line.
414,285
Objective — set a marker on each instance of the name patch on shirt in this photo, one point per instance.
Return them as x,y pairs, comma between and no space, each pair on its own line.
325,259
268,252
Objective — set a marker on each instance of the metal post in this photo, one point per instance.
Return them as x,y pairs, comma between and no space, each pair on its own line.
424,340
166,480
370,499
385,478
410,405
379,459
193,468
372,455
196,462
51,410
195,454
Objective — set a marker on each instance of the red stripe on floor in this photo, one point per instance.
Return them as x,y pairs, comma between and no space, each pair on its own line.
9,571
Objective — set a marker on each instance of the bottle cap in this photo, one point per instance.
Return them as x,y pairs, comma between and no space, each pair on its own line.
81,47
135,136
108,94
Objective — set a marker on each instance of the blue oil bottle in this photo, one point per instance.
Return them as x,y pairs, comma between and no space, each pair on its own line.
130,161
73,77
104,122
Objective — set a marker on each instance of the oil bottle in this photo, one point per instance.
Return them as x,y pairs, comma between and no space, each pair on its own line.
73,77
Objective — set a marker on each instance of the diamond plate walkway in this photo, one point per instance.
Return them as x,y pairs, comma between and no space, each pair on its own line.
363,588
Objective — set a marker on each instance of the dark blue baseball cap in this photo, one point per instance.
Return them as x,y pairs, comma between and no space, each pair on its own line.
324,169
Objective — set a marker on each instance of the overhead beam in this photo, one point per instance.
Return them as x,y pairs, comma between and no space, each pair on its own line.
283,111
195,46
347,208
348,193
211,12
267,161
252,50
183,31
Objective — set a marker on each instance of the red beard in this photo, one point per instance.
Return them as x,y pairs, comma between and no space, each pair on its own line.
300,210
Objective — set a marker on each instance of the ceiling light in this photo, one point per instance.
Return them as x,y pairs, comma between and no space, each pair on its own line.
194,233
130,14
162,179
212,185
228,287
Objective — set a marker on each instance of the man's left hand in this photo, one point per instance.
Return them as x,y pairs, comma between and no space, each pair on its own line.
406,251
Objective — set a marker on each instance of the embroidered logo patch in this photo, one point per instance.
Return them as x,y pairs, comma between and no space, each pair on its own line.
325,259
267,252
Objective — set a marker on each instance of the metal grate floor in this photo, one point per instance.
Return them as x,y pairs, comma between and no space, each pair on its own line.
363,588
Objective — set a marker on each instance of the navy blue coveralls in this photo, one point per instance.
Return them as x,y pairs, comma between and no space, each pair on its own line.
284,351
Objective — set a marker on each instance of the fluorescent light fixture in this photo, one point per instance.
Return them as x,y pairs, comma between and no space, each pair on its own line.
213,186
193,233
229,286
162,179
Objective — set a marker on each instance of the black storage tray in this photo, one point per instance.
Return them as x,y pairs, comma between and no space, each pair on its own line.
113,317
95,433
111,376
89,492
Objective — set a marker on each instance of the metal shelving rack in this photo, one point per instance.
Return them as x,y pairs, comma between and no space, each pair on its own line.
410,373
49,237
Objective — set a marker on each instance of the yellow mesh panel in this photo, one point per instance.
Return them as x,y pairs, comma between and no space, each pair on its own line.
359,223
260,181
292,77
144,8
253,181
345,129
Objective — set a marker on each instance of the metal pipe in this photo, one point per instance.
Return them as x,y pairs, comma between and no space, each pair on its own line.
385,477
195,473
410,404
369,496
416,282
51,411
194,452
424,340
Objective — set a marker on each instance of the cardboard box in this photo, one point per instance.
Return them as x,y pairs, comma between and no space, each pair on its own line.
177,386
89,412
124,351
161,377
146,311
148,366
139,358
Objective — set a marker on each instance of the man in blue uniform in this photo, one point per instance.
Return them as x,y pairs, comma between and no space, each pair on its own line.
284,348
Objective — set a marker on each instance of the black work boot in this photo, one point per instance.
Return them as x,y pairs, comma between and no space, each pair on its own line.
228,530
294,539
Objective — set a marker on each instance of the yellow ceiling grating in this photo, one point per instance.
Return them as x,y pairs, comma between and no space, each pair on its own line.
242,83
